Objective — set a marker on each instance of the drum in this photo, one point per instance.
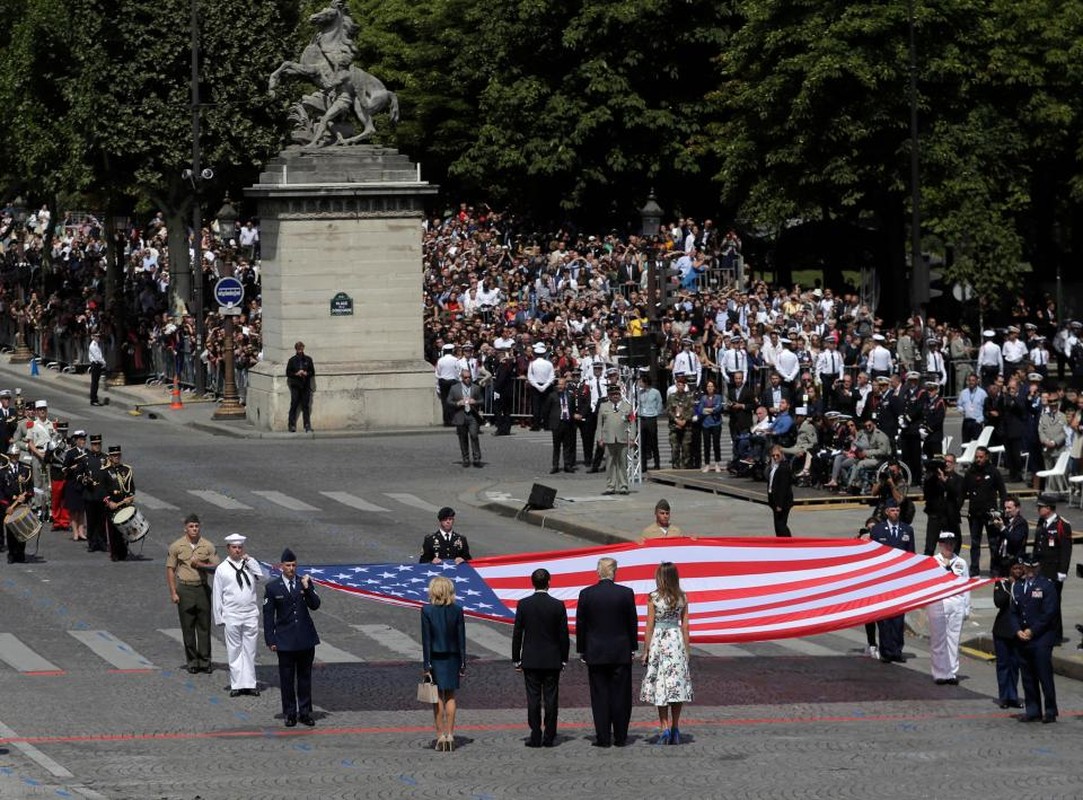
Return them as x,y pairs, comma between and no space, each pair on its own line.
131,522
24,523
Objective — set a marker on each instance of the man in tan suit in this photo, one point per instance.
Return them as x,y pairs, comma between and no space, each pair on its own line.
614,432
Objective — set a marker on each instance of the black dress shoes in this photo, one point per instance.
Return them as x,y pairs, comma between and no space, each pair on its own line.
236,692
291,721
554,470
252,692
569,469
307,720
1048,718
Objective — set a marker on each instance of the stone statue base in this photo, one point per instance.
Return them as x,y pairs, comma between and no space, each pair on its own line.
340,233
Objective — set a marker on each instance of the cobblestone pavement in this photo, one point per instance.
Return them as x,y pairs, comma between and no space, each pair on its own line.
95,705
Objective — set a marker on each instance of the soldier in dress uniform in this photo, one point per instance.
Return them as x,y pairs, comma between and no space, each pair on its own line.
445,544
16,488
1053,550
120,492
9,420
93,479
1034,620
73,466
59,512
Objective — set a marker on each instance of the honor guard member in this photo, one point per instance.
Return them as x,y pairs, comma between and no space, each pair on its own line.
235,605
933,418
447,375
946,617
935,364
1013,351
1039,357
120,493
34,434
93,480
540,377
188,568
1034,609
57,478
445,544
74,464
892,532
878,363
9,420
16,489
990,359
1053,550
592,391
290,633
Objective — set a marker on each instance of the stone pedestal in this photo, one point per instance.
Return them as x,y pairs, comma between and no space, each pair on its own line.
340,232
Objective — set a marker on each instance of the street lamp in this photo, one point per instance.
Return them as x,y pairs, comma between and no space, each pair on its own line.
650,216
22,354
231,407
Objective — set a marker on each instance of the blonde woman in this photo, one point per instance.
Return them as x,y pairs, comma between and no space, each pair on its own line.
443,640
667,683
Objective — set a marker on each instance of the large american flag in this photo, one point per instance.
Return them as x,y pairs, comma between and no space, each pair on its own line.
739,590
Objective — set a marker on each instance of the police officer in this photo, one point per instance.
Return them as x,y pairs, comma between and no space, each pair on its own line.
120,492
445,544
1034,614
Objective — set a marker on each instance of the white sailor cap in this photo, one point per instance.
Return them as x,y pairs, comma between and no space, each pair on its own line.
947,536
235,538
988,334
449,347
539,348
878,337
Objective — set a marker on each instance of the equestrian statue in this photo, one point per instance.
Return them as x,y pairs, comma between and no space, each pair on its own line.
322,117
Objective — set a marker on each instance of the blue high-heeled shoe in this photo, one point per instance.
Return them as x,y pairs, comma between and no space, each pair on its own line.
663,737
675,736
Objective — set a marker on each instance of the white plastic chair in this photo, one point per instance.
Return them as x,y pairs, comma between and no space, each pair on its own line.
967,457
1057,477
947,443
1075,489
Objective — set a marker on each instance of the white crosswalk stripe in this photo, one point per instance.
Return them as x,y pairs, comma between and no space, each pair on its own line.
389,644
489,638
413,501
219,499
218,645
352,501
329,654
393,639
153,503
21,658
284,500
106,646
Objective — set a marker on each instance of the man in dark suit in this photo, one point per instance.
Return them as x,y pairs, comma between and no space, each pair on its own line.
541,622
740,405
894,533
1035,612
299,374
606,629
775,392
562,413
780,491
290,633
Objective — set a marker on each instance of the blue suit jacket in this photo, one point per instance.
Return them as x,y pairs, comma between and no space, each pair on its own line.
1036,609
287,625
443,630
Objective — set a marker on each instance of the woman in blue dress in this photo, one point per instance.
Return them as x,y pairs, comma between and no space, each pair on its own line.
443,641
668,683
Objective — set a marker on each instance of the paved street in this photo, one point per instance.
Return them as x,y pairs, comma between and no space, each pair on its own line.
96,705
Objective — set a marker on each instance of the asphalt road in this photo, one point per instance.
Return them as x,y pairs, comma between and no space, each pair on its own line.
98,707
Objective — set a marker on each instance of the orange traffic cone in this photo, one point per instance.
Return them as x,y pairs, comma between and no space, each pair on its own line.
176,401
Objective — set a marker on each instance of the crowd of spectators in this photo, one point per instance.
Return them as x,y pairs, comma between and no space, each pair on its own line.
496,291
54,290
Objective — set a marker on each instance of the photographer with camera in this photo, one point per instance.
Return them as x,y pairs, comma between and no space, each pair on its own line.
1011,536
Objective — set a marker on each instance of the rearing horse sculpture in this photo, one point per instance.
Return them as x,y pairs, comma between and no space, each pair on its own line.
328,63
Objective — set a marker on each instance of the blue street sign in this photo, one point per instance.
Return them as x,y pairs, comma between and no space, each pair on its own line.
228,292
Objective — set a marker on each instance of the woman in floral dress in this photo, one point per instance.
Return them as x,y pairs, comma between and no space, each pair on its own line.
667,683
